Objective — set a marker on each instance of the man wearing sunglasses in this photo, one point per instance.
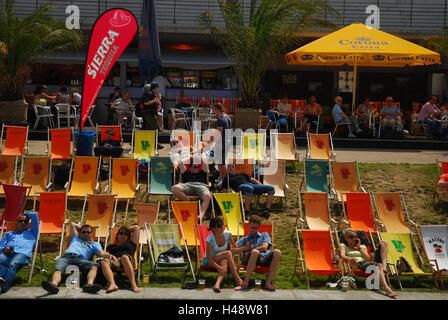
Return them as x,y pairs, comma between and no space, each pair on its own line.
341,118
79,253
16,248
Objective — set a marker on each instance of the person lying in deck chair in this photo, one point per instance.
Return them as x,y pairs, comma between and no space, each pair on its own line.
248,187
256,250
79,253
109,147
16,248
357,256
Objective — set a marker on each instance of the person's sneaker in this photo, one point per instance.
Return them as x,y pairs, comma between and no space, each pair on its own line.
265,214
50,287
2,282
405,132
91,288
358,130
351,135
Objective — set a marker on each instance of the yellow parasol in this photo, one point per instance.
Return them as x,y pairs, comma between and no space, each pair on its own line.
360,45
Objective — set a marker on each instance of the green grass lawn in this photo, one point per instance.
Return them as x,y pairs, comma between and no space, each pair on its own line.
415,181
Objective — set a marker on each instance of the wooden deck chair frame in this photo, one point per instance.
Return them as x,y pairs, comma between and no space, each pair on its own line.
330,138
437,192
274,146
300,257
14,176
70,180
25,148
302,216
3,216
338,194
99,227
156,147
154,262
49,152
22,172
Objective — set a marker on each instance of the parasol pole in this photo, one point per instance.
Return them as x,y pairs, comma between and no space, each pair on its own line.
355,78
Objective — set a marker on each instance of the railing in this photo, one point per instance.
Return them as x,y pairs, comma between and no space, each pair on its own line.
402,16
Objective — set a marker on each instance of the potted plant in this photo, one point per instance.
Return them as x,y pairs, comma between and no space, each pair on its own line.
22,39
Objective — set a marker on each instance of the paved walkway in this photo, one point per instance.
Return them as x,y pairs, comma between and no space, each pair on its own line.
37,147
226,294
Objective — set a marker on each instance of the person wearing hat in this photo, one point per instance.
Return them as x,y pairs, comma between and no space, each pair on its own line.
150,106
109,147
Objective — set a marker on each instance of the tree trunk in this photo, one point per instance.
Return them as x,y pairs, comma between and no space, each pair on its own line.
13,112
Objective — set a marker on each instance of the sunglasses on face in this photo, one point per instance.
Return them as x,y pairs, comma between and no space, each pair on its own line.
219,226
22,221
86,232
352,237
123,234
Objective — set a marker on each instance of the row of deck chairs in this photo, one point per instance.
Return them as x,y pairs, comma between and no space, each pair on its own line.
422,246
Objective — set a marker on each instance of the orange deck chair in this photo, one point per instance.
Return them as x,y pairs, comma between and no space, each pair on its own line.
16,141
59,147
15,200
101,134
317,210
52,213
100,212
35,173
186,213
317,256
269,228
345,179
112,239
8,168
359,213
320,146
388,207
283,146
83,176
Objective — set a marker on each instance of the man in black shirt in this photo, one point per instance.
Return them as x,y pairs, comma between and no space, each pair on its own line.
194,182
109,147
248,187
224,122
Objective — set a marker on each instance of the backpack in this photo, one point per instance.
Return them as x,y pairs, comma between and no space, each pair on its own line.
403,266
172,255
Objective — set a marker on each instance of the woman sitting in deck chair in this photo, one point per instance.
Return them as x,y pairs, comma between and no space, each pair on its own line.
123,251
357,256
217,255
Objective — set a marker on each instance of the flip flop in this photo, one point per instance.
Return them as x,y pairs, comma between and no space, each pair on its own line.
50,287
217,290
91,288
392,295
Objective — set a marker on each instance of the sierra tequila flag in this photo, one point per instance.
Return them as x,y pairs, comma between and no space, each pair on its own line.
111,34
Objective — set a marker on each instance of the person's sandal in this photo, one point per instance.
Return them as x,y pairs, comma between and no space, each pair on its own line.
91,288
49,287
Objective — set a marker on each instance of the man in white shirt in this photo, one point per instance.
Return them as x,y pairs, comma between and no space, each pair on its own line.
124,108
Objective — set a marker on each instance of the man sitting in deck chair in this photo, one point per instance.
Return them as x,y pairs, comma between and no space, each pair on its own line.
109,147
194,182
255,249
79,253
248,187
16,248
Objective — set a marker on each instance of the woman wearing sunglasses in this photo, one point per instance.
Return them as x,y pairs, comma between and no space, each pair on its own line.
357,256
123,248
218,255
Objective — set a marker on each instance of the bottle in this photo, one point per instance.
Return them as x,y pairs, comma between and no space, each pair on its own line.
344,284
73,284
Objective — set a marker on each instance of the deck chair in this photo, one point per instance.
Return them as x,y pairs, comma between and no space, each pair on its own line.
435,244
400,245
101,136
144,144
253,146
278,181
100,212
8,168
15,200
59,147
316,213
320,146
186,213
317,255
232,209
283,146
16,141
315,176
441,187
359,214
146,212
35,173
161,176
164,237
345,179
83,176
269,228
52,213
187,138
202,232
388,207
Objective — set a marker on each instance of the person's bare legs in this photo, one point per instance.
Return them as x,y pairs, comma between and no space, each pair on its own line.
383,282
272,268
92,275
221,275
109,275
232,269
383,251
56,279
247,200
129,270
252,263
204,206
178,192
269,200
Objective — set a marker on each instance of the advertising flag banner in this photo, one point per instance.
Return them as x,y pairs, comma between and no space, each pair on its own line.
111,34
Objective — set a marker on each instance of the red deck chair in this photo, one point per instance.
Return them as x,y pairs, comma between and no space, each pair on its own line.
269,228
16,141
15,200
202,232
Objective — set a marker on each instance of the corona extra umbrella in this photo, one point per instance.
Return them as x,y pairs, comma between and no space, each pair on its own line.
359,45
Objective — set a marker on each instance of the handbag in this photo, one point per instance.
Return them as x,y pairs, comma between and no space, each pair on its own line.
172,255
403,266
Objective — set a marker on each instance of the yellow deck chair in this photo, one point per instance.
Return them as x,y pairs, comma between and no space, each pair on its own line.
388,207
100,212
232,209
254,146
186,213
277,179
346,179
283,146
83,176
35,173
144,144
320,146
317,210
16,141
8,167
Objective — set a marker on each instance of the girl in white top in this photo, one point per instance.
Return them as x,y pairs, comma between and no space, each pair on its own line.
217,254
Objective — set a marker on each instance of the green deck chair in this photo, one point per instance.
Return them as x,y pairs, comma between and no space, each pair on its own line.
164,237
161,176
316,175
